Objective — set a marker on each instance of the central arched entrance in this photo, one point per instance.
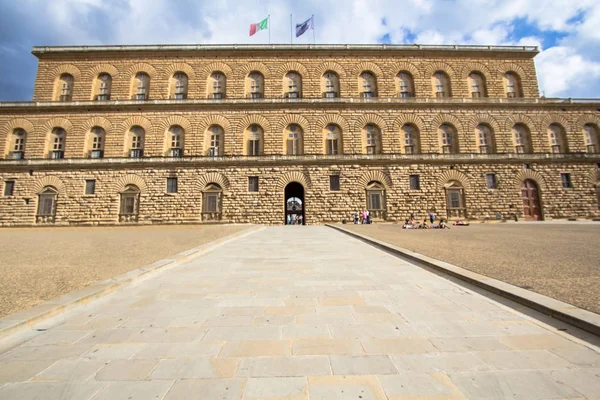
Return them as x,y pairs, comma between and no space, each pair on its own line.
294,205
531,200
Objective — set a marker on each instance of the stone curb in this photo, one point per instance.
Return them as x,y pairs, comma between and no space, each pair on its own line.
20,320
564,312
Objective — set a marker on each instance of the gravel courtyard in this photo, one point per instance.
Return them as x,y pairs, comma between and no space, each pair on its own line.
39,264
559,260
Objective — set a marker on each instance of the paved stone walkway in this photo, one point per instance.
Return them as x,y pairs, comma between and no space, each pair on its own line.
298,313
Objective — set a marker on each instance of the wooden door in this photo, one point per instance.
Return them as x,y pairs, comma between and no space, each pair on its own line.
531,200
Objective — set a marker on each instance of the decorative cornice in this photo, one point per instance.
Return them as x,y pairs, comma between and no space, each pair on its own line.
39,50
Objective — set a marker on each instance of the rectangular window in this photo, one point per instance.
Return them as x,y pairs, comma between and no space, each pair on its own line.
454,199
9,188
375,201
211,201
414,182
253,183
332,146
490,181
171,185
46,206
128,205
90,186
566,181
334,182
253,147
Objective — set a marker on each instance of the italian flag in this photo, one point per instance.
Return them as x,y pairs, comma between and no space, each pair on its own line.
259,27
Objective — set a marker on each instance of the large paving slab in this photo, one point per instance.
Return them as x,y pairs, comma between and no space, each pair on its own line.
297,312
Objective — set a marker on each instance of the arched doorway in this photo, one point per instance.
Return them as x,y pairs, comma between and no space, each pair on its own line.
294,205
531,200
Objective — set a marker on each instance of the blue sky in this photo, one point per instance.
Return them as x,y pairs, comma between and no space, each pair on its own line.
567,31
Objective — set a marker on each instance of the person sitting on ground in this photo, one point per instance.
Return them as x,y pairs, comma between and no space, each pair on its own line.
443,224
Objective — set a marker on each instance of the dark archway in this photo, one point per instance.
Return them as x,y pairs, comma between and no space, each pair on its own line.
294,204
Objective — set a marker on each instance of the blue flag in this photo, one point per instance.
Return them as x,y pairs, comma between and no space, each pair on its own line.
303,27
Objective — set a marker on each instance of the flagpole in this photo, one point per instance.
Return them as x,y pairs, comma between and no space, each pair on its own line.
269,27
313,27
291,40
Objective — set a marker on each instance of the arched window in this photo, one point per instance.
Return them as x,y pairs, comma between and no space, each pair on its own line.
136,142
66,83
330,85
447,134
217,85
411,139
521,139
371,139
254,140
405,85
130,204
512,83
46,211
255,85
175,141
477,85
215,136
292,85
141,86
293,140
333,139
103,87
17,146
368,85
179,86
56,145
212,197
376,202
441,84
556,138
96,142
455,200
485,139
591,137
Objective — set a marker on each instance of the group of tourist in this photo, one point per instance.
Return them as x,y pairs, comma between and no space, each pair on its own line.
413,223
362,217
294,219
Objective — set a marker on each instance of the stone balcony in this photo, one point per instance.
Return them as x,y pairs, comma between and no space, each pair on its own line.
307,101
276,159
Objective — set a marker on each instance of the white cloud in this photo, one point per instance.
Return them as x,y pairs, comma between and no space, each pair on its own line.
561,71
575,59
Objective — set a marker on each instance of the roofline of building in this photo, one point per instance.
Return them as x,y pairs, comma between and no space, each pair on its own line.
308,102
38,50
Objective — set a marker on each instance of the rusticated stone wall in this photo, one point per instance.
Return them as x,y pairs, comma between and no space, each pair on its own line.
78,122
322,205
236,65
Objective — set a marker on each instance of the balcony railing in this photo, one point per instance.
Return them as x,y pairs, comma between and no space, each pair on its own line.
176,152
380,215
136,153
128,218
211,216
45,219
96,153
310,158
311,100
16,155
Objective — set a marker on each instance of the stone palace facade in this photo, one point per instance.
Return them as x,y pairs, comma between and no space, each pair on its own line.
261,133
